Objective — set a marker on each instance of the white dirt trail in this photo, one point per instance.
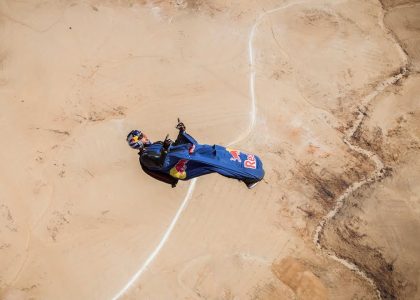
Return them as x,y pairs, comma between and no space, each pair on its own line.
253,114
376,175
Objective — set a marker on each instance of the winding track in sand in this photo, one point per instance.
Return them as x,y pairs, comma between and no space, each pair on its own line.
376,175
253,114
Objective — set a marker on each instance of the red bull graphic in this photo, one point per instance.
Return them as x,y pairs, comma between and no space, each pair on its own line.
188,159
235,155
250,163
178,171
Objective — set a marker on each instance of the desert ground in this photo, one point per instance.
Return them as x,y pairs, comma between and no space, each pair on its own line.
327,93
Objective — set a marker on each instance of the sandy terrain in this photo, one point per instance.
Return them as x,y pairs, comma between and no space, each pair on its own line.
326,92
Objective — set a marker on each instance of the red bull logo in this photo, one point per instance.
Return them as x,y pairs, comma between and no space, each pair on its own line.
235,155
250,163
178,171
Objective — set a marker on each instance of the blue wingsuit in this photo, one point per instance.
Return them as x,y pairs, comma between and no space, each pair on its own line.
186,159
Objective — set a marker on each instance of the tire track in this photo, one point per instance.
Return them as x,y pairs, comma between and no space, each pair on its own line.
162,242
253,113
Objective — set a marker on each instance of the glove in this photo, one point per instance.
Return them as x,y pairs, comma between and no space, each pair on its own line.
180,126
166,143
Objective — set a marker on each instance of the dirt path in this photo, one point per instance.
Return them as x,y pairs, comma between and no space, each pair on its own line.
244,135
378,174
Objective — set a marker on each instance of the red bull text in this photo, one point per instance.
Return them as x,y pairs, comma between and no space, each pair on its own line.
250,163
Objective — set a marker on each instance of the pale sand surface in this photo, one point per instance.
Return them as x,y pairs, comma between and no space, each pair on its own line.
78,218
405,23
